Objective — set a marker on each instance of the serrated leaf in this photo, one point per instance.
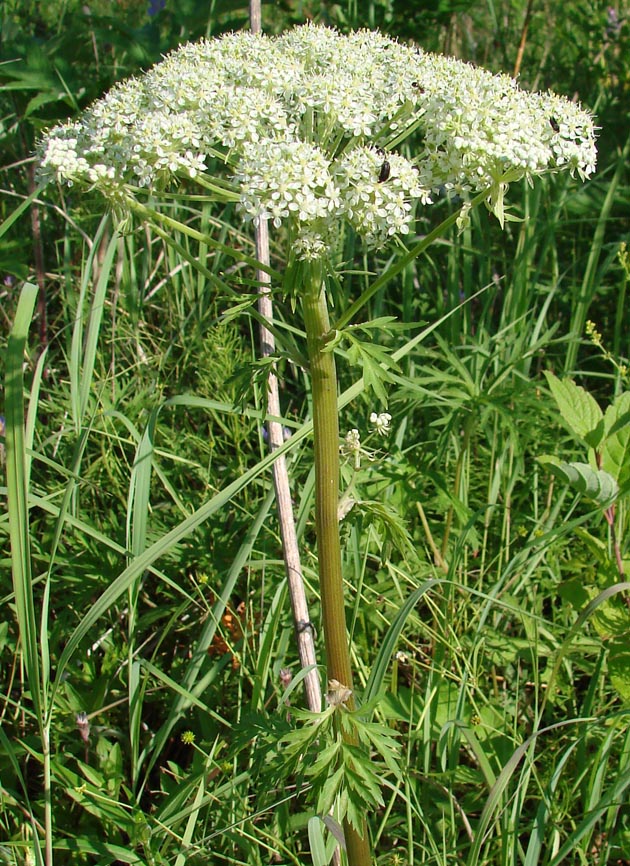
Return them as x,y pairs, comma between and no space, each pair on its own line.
382,741
355,814
382,323
579,409
325,760
594,483
373,381
375,363
42,99
363,784
378,354
391,523
236,311
616,447
329,790
299,739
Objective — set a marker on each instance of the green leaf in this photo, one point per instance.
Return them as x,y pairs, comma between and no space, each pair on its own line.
579,410
327,758
329,790
316,842
298,740
375,363
16,462
388,519
375,353
355,814
107,852
374,382
612,617
361,773
616,448
382,323
594,483
42,99
612,620
382,740
619,666
574,592
388,645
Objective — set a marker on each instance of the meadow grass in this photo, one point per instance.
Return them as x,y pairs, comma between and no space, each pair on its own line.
489,660
145,586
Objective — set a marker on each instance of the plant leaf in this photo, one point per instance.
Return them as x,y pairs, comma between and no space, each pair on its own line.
579,409
19,531
594,483
316,842
616,447
619,666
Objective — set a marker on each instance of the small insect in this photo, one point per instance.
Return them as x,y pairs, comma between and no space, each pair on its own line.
554,124
384,172
417,86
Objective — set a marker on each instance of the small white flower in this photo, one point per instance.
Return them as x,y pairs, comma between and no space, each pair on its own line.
297,120
381,422
351,448
352,443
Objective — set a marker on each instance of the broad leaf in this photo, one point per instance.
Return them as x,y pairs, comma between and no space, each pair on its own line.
594,483
616,447
579,410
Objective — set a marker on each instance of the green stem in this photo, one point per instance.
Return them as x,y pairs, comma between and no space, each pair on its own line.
326,458
468,428
48,814
401,263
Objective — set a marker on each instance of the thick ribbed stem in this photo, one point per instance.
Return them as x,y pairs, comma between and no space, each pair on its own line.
326,458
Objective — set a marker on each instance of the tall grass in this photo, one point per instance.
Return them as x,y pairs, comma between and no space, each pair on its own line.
145,583
160,631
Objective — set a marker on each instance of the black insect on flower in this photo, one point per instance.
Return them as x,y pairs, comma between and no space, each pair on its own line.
384,172
554,124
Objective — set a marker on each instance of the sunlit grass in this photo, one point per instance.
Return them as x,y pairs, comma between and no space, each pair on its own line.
145,586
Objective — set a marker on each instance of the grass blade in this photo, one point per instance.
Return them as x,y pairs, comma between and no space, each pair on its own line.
381,663
17,495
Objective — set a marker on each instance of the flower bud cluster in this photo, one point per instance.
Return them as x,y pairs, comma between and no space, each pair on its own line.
306,125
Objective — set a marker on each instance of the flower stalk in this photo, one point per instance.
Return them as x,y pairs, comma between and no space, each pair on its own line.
326,460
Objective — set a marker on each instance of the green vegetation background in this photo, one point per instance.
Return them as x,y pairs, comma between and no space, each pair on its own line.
511,686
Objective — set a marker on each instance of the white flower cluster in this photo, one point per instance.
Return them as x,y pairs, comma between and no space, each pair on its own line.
307,124
351,445
381,422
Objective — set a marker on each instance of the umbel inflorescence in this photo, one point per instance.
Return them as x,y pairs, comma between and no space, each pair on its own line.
307,127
